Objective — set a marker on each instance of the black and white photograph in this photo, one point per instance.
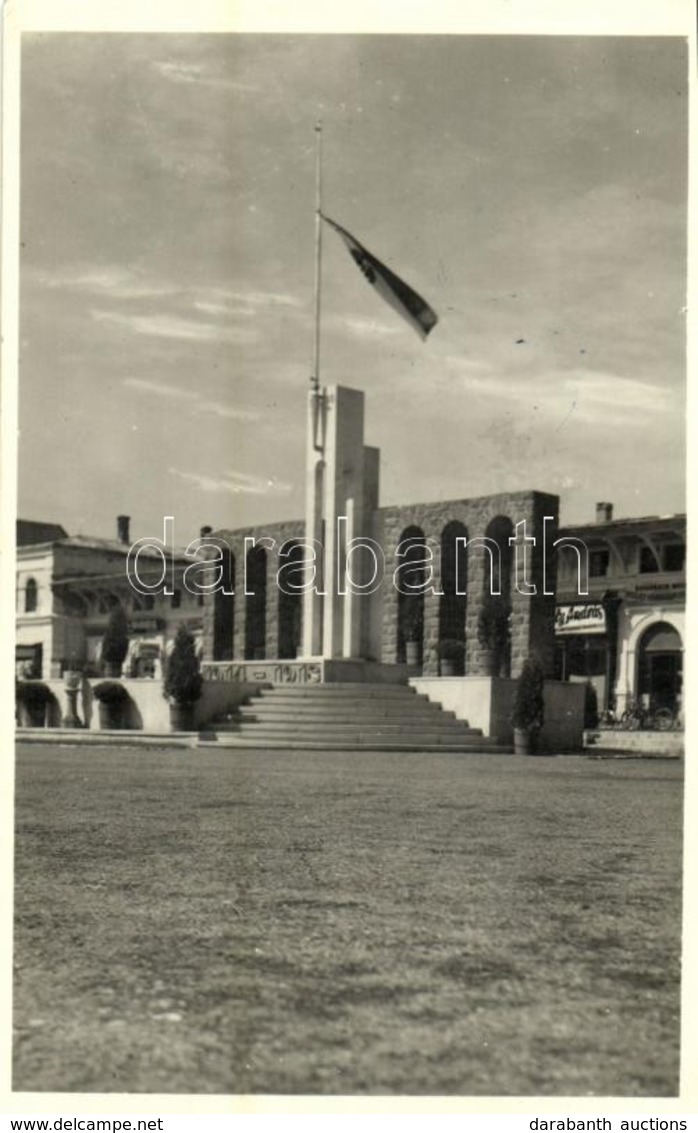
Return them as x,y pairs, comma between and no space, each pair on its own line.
350,565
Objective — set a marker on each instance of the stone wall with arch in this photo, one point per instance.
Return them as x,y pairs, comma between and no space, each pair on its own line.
532,618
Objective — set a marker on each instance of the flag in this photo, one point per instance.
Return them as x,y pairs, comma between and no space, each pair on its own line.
395,291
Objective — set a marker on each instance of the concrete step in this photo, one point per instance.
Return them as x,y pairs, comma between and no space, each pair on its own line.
348,716
401,714
279,696
337,691
365,735
331,724
483,747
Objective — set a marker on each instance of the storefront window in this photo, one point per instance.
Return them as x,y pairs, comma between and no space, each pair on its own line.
598,563
648,561
674,556
30,596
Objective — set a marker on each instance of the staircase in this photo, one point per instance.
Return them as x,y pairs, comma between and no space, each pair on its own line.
347,717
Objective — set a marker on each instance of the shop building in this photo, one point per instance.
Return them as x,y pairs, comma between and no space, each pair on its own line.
66,588
626,634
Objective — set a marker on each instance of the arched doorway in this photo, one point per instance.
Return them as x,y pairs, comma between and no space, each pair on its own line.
224,609
410,597
256,604
660,667
291,601
494,621
452,604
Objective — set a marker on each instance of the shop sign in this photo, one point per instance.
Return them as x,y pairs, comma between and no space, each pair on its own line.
658,591
586,617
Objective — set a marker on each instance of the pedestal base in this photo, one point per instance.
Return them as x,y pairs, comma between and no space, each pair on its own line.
306,670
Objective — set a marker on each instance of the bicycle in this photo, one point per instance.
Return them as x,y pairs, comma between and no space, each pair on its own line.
637,716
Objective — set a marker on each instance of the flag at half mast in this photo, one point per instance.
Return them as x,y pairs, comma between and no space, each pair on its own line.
394,290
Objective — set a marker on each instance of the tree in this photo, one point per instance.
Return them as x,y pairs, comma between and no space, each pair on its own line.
115,640
493,632
529,709
183,681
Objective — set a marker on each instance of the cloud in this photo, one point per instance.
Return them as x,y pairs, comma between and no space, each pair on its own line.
112,281
234,483
261,298
593,391
163,389
115,282
221,410
173,326
222,309
365,328
197,73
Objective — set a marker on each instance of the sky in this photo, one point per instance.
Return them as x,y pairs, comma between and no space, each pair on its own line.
532,189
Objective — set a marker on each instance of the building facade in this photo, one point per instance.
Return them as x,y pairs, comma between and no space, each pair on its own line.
614,590
626,634
66,588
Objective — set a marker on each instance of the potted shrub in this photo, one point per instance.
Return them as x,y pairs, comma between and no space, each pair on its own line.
183,682
115,642
451,654
112,699
529,711
493,633
412,629
34,700
591,707
72,680
72,675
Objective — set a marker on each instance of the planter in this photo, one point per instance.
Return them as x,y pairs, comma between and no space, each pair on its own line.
182,717
111,716
525,741
72,679
448,668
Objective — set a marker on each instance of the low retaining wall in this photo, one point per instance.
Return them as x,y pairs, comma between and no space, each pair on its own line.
668,744
147,709
487,702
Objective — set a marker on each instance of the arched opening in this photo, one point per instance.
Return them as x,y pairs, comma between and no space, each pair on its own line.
453,602
494,621
31,591
256,604
660,667
224,610
291,600
413,551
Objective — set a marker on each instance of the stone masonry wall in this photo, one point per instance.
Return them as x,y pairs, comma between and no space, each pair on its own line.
533,617
235,541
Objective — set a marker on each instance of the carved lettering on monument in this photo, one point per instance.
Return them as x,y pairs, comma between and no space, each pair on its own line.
290,672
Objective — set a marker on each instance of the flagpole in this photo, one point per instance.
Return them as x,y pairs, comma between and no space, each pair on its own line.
315,376
315,379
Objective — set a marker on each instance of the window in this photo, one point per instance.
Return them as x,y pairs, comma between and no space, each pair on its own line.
598,563
648,562
30,596
674,556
